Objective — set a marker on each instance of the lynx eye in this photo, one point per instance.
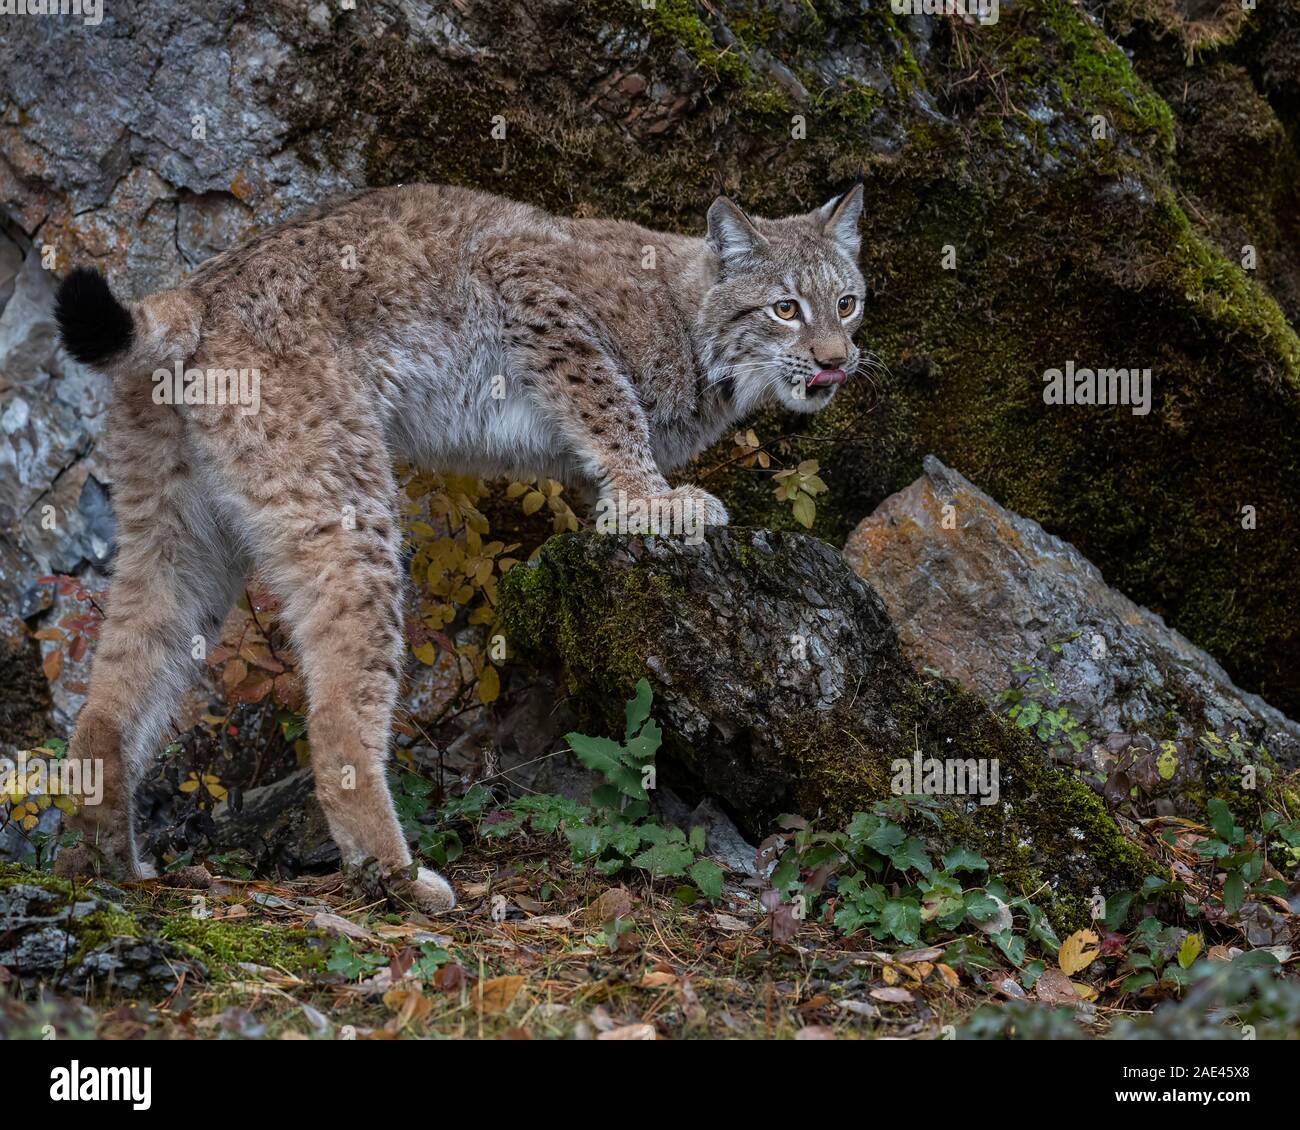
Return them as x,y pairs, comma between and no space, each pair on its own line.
847,305
787,309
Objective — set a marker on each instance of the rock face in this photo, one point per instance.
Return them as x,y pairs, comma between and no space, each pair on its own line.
1049,158
781,687
974,590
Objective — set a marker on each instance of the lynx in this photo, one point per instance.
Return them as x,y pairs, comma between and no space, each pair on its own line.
436,326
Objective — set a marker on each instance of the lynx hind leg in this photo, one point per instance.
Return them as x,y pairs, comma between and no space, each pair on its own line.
174,578
334,557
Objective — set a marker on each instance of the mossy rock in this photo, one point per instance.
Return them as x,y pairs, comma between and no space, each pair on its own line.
781,687
80,938
100,940
1094,204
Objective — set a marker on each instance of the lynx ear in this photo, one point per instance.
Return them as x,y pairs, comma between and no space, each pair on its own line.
732,234
839,220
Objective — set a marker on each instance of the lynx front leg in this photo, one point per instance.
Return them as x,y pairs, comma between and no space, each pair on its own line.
601,417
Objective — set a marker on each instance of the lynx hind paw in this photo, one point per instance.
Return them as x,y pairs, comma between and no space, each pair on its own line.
84,861
428,892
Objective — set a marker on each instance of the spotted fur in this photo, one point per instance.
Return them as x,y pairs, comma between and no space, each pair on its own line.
444,327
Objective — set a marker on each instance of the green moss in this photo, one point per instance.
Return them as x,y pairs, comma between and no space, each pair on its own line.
91,930
542,610
222,945
1101,75
1221,291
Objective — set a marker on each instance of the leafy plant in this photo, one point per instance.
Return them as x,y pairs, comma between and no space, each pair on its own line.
1029,707
799,486
612,833
877,876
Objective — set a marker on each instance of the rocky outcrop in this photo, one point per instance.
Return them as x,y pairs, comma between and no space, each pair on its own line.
1010,168
989,598
781,687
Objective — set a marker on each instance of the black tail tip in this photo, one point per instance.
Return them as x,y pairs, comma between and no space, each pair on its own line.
93,325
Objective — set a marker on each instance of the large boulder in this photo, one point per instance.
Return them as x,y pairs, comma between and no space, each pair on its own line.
1113,172
781,687
992,600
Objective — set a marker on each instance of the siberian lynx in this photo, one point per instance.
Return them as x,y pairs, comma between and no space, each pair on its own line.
443,327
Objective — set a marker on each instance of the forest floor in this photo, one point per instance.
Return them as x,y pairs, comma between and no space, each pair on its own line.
542,948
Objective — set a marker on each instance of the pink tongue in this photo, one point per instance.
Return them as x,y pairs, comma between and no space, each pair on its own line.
828,377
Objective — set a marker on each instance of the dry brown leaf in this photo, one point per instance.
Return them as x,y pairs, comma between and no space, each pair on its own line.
929,953
728,923
408,1004
495,995
815,1032
1054,987
614,903
892,996
652,979
949,975
545,922
340,927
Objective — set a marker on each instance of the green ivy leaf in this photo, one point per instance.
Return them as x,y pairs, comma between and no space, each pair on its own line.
707,875
963,859
664,859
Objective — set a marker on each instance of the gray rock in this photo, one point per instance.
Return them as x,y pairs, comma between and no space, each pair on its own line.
772,706
975,590
84,945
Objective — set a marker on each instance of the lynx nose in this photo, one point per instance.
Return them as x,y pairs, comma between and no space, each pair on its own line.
830,355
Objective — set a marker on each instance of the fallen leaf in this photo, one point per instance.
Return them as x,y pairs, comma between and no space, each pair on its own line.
1077,952
815,1032
728,923
614,903
893,996
408,1004
341,927
495,995
929,953
1055,987
652,979
545,922
949,974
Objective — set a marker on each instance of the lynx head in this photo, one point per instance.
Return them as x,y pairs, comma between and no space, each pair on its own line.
785,297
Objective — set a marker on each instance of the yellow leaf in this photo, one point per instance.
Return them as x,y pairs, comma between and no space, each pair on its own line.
489,685
533,502
426,653
1075,953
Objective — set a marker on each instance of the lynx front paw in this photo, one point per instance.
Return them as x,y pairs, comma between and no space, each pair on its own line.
698,508
686,511
428,892
86,861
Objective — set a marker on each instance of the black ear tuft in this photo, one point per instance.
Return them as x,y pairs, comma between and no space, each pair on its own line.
93,325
